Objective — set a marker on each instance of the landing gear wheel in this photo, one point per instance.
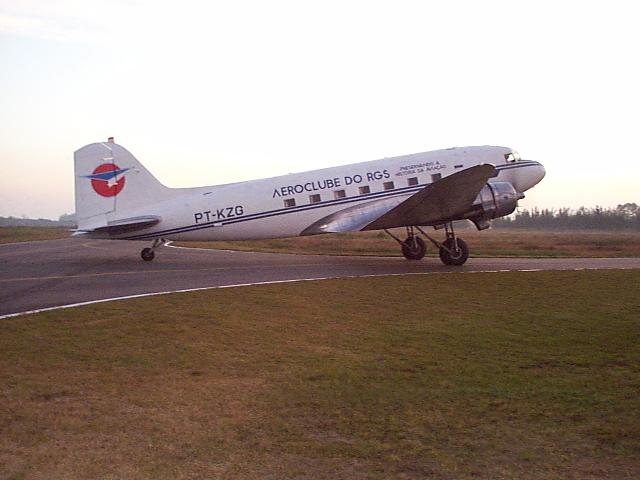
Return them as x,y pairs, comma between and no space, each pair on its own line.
454,257
414,248
147,254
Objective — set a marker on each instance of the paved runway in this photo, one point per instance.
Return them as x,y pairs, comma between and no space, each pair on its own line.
39,275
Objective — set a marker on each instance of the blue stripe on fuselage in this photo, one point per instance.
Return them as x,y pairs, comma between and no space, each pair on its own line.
280,211
300,208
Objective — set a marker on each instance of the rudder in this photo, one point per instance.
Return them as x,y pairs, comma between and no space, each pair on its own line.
111,184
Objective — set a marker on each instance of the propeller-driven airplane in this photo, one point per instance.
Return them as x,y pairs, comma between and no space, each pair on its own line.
117,198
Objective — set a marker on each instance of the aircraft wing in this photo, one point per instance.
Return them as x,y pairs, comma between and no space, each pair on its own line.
123,225
436,203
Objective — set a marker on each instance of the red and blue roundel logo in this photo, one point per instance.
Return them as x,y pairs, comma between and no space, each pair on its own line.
107,179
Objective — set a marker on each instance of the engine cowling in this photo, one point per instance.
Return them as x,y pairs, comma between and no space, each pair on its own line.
496,199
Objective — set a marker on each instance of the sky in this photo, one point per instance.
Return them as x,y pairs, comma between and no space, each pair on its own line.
211,92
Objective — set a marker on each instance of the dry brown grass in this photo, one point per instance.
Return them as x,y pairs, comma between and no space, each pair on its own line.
486,243
29,234
516,375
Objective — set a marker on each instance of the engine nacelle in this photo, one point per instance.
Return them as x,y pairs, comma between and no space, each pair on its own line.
496,199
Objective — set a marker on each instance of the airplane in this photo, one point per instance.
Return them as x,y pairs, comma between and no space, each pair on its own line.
118,198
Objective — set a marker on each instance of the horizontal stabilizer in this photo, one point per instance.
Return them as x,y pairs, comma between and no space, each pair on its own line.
123,225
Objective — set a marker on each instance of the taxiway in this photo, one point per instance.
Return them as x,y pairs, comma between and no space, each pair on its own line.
41,275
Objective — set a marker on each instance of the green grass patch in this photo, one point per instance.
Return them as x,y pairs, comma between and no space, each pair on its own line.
29,234
511,375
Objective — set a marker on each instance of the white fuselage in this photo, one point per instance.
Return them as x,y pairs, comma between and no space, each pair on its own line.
284,206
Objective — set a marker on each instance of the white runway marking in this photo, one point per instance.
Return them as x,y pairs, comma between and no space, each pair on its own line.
152,294
273,282
169,245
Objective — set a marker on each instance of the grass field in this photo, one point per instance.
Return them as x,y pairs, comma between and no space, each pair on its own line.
454,376
486,243
28,234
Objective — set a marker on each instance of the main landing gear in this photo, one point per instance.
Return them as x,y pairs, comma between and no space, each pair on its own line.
147,254
453,251
413,248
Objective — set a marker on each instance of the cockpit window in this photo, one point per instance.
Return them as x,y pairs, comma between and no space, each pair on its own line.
512,157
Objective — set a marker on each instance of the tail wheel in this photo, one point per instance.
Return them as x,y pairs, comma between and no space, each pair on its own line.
414,248
451,256
147,254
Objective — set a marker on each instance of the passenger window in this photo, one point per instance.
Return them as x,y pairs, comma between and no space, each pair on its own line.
435,177
339,194
364,190
314,198
412,181
289,202
388,185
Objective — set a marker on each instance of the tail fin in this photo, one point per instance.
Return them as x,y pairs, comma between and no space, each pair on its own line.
111,184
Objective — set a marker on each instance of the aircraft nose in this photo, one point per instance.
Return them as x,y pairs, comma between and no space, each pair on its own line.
532,173
540,172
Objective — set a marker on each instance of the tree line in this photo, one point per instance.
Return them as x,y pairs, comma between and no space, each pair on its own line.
622,217
65,221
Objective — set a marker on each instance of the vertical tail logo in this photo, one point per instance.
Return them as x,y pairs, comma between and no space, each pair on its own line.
108,179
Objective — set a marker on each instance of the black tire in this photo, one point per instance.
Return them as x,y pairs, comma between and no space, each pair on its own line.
454,258
414,251
147,254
